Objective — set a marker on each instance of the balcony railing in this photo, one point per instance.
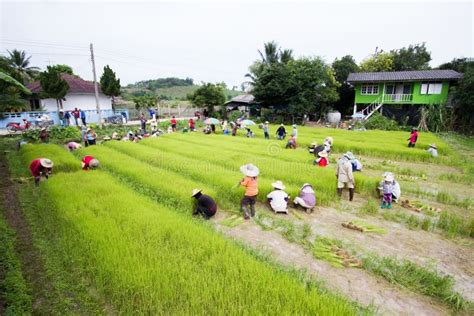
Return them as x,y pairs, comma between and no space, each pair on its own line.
397,98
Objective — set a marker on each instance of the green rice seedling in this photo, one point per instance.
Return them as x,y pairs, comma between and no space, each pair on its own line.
232,221
332,251
371,207
306,231
369,227
149,259
413,222
416,278
175,191
15,292
450,224
62,159
426,224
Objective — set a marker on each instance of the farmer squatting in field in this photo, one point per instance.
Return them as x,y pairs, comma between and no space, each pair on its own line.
307,198
205,205
278,198
41,167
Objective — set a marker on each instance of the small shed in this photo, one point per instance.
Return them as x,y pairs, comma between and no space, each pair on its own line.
245,103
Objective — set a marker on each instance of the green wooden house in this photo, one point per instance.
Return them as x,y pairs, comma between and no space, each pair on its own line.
400,89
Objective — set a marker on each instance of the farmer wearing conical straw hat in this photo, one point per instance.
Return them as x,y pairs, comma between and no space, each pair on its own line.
322,161
250,183
433,150
205,205
278,198
89,162
41,167
307,198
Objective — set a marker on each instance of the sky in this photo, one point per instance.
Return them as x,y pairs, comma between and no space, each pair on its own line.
215,41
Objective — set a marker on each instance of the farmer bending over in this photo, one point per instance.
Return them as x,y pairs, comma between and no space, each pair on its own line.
344,176
307,198
89,162
205,205
73,146
433,150
250,183
41,167
278,198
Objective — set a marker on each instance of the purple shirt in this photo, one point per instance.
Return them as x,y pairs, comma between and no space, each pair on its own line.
308,198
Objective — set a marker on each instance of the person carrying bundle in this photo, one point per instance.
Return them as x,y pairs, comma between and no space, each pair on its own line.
204,205
344,176
250,183
89,162
278,198
307,198
41,167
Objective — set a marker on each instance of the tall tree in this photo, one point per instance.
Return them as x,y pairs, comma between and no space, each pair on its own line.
21,63
377,62
464,100
458,64
209,96
342,68
11,92
64,69
110,84
413,57
53,86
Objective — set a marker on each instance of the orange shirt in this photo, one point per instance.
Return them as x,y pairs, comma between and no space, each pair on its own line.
251,186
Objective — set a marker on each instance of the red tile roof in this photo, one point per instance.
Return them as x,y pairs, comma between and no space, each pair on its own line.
76,85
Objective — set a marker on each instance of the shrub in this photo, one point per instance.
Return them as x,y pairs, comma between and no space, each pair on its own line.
378,121
56,134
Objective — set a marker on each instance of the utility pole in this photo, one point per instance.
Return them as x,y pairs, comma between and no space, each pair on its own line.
96,88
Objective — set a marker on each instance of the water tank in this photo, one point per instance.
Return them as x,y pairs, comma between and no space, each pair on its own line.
334,117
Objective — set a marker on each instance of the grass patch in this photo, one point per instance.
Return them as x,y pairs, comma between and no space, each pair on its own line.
371,208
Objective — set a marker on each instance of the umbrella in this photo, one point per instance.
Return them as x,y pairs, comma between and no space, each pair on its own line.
212,120
358,115
247,123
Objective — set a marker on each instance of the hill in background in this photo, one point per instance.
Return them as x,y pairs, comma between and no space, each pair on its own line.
166,89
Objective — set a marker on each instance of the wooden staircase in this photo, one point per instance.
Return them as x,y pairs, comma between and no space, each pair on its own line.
372,108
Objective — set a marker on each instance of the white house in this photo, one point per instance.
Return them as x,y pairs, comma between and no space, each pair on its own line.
81,95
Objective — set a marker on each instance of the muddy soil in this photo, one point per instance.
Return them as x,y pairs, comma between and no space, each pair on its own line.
356,284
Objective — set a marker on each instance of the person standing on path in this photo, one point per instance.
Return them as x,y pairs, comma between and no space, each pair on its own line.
266,130
205,205
143,123
173,123
83,117
250,183
344,176
67,118
41,167
76,115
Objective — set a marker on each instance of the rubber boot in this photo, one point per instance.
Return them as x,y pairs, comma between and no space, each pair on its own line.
339,192
389,206
246,213
351,194
383,205
252,210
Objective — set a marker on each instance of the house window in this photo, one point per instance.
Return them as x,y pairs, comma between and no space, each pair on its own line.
369,89
431,87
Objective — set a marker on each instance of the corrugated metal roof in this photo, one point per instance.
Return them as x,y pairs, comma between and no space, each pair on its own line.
243,98
404,76
76,85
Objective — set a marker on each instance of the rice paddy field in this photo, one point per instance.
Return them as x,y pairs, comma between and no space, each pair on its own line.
121,239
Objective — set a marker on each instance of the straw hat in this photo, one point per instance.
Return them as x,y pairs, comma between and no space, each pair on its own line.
433,146
349,155
267,122
88,129
46,163
305,185
323,154
195,191
294,125
282,124
43,128
94,163
389,177
278,185
307,188
249,170
107,138
328,139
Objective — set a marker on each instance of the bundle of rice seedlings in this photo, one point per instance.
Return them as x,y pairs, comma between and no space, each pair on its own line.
232,221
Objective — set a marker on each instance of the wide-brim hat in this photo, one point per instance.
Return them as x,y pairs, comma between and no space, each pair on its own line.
43,128
94,163
307,188
278,185
46,163
305,185
294,125
329,139
433,146
267,122
315,144
282,124
107,138
88,129
349,155
250,170
195,191
323,154
389,177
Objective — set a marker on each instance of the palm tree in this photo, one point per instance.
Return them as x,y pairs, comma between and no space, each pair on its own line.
270,54
20,62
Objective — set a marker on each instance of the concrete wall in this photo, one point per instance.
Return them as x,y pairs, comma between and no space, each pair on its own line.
80,101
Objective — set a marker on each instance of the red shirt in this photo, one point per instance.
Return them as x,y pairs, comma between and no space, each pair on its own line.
35,168
323,162
75,113
413,137
191,123
173,121
86,160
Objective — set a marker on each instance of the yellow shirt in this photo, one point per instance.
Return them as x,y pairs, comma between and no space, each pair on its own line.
251,186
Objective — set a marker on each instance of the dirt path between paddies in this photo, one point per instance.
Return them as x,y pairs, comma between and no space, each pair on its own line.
356,284
32,265
421,247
